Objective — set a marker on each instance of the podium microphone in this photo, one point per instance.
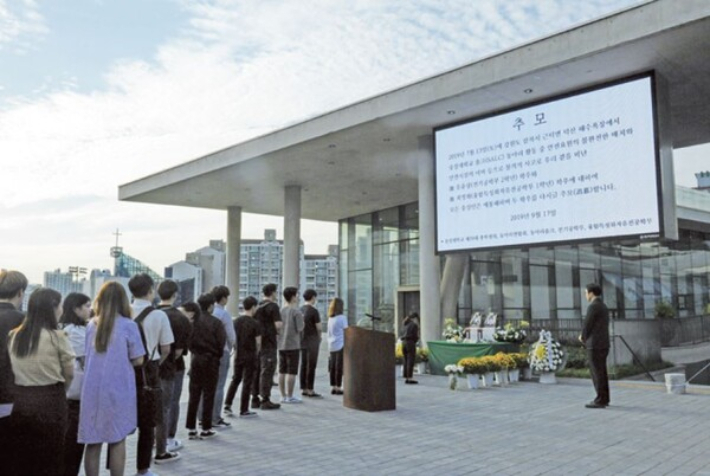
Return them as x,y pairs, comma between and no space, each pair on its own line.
374,318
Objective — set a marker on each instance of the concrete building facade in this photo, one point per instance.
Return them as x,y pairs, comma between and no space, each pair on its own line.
375,156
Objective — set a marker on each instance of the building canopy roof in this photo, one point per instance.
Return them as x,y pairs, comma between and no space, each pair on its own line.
363,157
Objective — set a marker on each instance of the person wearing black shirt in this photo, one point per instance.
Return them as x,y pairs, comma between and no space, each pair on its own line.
206,346
312,330
248,333
172,373
13,285
268,315
410,337
595,337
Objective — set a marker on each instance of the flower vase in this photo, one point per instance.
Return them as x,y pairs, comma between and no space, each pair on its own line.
527,373
487,379
548,378
453,381
473,380
398,372
420,368
501,379
514,375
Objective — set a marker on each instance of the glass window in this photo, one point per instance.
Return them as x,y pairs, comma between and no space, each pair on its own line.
362,242
360,295
515,290
542,292
409,263
386,226
386,279
409,221
486,286
565,264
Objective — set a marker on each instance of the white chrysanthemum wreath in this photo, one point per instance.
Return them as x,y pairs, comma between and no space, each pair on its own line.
546,355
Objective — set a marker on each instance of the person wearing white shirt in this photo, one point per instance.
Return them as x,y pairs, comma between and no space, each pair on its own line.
158,338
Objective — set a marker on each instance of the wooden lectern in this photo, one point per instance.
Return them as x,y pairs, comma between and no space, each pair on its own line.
368,370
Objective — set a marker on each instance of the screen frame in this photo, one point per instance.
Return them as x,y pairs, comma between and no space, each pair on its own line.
565,242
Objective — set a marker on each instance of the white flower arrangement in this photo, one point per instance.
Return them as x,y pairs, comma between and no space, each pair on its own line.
510,333
546,355
452,331
453,369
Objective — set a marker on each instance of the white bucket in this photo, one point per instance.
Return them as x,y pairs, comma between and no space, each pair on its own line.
675,384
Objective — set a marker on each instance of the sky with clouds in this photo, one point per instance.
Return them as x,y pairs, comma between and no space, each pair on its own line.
97,93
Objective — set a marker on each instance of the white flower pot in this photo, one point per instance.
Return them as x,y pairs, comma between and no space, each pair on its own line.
675,383
420,368
473,381
398,371
514,375
548,378
453,382
487,379
527,373
501,378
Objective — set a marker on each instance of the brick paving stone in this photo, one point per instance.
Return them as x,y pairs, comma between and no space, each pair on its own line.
524,429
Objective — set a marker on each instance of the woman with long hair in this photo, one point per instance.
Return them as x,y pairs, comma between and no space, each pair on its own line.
77,311
42,362
337,323
108,397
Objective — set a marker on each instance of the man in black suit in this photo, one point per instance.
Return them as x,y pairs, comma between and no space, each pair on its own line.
595,337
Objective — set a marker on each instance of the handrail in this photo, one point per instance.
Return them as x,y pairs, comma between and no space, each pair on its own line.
698,373
635,357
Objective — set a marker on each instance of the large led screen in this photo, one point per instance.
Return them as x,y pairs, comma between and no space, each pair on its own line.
576,168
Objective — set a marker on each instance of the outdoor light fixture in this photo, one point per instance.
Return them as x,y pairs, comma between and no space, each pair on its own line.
528,91
450,112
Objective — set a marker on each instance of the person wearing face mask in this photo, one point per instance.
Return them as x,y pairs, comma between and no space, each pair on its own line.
43,365
76,313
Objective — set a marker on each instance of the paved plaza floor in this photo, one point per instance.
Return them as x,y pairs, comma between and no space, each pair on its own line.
523,429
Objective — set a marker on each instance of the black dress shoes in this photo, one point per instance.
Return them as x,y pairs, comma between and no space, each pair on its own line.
594,405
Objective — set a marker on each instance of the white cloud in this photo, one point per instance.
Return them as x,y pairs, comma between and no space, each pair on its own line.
241,68
21,25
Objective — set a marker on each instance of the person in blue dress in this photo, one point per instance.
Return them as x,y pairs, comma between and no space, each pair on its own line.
108,397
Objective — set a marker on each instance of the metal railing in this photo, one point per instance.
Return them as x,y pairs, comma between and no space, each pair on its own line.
673,332
684,331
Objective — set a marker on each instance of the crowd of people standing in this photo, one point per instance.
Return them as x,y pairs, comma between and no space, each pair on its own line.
77,374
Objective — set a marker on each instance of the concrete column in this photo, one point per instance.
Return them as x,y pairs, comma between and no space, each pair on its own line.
234,245
292,236
430,300
451,280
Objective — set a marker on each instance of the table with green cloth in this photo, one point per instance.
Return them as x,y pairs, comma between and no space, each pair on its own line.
442,353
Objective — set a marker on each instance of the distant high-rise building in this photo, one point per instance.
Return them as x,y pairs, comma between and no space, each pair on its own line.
64,283
703,179
213,261
320,273
189,279
260,263
30,289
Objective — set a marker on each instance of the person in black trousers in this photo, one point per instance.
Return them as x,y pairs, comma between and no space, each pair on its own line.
410,337
13,285
312,329
268,314
248,333
207,346
595,337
